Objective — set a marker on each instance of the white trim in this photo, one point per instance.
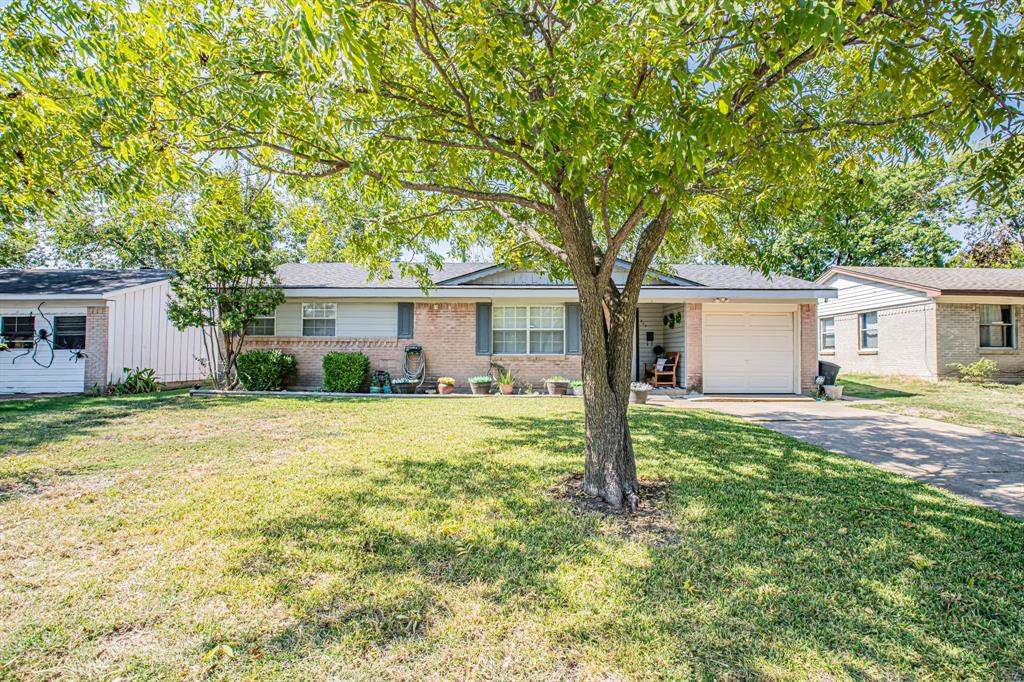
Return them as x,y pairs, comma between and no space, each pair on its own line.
647,294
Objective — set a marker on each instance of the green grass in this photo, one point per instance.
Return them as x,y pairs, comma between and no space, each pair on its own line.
164,537
992,407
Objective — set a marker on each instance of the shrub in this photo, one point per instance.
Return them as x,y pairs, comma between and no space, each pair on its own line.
505,377
265,370
482,379
557,379
640,387
450,381
976,372
138,380
345,372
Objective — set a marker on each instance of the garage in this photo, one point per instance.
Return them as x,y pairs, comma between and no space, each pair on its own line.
750,351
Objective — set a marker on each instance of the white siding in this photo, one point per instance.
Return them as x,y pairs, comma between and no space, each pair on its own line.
355,319
288,319
857,294
515,277
367,320
41,370
141,335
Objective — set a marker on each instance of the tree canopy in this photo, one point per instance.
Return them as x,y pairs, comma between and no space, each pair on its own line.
564,134
892,215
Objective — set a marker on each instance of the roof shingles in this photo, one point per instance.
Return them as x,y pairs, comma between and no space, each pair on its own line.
965,280
53,282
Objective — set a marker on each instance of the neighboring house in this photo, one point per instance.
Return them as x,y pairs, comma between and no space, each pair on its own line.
737,331
917,321
68,331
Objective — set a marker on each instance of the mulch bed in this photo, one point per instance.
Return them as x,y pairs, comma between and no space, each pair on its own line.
651,523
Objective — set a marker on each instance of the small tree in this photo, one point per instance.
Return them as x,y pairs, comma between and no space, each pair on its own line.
225,272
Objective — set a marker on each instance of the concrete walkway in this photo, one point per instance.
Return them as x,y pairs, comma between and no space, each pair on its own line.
984,467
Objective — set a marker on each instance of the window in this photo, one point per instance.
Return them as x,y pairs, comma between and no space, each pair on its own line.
869,331
997,326
69,332
318,319
260,326
19,332
828,333
537,330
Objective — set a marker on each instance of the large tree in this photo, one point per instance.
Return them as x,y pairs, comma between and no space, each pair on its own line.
565,134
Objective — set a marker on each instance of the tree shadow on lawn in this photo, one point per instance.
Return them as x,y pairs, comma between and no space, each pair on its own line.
859,388
27,425
787,557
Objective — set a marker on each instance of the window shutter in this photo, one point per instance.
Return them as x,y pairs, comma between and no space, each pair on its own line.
405,320
572,328
483,328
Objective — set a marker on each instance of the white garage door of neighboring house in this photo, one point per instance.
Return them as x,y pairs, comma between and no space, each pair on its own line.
749,352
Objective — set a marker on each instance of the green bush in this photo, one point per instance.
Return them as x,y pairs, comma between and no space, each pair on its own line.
265,370
976,372
345,372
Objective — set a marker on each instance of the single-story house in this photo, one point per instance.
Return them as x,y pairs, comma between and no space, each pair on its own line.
68,331
737,331
918,321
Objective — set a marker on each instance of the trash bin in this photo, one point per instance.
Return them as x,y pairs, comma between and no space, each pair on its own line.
828,370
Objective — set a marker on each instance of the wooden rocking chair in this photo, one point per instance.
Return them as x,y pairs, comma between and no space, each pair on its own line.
663,374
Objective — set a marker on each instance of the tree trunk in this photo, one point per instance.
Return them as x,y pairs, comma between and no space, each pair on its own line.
610,468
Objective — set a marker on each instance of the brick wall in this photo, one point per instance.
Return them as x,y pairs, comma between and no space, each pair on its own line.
96,335
958,326
694,347
447,333
808,345
906,343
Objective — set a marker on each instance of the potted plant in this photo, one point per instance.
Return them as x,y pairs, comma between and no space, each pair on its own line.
506,382
576,387
480,385
638,391
446,385
556,385
403,385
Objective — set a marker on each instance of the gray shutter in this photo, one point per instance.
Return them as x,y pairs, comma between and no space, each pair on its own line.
572,328
483,328
405,320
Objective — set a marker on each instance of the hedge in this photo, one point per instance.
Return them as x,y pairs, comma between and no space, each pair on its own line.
265,370
345,372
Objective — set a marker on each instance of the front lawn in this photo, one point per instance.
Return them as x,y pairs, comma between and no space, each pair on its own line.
992,407
165,537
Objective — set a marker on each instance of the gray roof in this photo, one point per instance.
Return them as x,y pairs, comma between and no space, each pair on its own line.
348,276
738,277
945,280
54,282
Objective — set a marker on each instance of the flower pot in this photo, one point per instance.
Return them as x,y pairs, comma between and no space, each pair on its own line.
557,387
404,387
833,392
638,397
506,389
480,388
445,389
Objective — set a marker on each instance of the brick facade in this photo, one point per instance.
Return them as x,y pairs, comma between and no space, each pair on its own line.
808,345
959,340
694,347
447,333
906,342
97,320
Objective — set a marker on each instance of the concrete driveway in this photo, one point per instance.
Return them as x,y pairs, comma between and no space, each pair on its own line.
984,467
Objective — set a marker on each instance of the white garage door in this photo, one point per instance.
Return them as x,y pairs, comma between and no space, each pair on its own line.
20,372
748,352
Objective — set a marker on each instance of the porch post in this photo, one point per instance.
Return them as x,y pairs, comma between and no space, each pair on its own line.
694,347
